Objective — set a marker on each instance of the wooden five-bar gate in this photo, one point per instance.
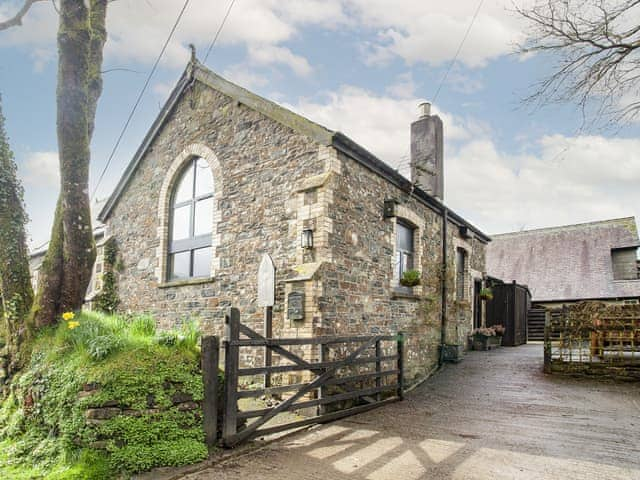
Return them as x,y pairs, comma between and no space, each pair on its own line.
353,374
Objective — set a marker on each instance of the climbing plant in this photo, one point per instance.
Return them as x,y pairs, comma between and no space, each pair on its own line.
108,299
16,293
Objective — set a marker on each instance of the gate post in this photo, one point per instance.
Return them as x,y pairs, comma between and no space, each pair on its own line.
401,365
322,391
231,365
209,358
547,341
378,369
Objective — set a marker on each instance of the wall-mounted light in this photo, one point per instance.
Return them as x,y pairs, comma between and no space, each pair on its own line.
390,208
306,239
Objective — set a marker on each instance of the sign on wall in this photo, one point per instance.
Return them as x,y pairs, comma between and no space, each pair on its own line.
266,282
295,306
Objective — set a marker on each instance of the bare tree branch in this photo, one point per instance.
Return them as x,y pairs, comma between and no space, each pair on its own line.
16,20
596,46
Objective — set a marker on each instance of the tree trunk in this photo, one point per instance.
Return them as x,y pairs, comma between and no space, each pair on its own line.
66,271
16,293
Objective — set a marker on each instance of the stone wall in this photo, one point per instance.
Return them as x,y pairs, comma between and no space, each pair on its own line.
359,294
271,183
261,162
98,413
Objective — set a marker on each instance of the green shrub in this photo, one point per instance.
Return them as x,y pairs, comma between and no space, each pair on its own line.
43,431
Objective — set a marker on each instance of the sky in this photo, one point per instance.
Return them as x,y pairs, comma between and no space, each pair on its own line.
358,66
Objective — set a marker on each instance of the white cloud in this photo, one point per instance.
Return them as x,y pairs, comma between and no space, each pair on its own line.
416,31
41,169
571,179
404,86
462,83
271,54
244,76
380,123
163,89
430,32
138,29
37,32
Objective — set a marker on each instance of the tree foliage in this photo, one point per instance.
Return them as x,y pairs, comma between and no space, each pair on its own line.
596,44
16,293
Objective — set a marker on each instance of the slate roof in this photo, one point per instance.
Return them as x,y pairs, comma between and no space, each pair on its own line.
571,262
196,71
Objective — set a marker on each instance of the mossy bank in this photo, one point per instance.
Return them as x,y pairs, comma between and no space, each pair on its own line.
104,397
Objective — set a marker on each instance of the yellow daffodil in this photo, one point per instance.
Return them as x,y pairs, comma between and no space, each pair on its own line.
66,316
72,325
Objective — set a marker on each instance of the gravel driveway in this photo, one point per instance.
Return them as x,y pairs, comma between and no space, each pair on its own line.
493,416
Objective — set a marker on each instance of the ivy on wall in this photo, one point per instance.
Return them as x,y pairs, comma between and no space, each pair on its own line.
108,300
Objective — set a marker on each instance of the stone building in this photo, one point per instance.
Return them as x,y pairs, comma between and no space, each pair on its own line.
36,258
571,263
225,176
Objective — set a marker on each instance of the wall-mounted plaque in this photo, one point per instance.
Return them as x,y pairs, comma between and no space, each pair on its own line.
266,282
295,306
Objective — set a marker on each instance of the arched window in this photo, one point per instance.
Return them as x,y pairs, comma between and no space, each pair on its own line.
191,222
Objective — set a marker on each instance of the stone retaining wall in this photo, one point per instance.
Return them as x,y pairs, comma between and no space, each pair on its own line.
97,414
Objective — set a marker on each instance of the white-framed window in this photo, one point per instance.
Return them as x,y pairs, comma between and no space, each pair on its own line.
190,224
405,249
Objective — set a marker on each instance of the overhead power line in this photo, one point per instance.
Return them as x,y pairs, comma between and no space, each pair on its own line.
455,57
144,88
215,38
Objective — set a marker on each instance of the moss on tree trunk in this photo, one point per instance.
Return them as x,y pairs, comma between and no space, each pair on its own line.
16,293
66,270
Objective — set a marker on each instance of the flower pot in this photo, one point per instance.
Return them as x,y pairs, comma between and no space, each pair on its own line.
486,342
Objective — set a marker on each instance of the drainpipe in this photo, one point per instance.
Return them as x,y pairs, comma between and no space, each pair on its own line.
443,325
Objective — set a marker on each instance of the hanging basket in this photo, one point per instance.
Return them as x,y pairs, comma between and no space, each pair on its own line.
486,294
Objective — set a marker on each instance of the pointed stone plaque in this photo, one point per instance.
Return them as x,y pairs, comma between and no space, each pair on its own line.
266,282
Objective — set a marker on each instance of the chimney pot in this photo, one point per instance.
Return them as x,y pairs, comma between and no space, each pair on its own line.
425,109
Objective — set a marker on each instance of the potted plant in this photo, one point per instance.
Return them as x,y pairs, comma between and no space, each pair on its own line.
410,278
486,294
499,329
485,338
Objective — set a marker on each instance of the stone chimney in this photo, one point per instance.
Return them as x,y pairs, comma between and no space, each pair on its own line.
426,152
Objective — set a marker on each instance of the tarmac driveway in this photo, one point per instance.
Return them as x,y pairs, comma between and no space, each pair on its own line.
493,416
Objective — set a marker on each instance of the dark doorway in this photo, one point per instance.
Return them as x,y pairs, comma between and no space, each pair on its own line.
477,304
509,307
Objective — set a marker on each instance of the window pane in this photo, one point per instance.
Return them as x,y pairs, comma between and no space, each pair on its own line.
460,261
202,262
407,262
180,223
180,265
204,178
404,237
203,217
184,191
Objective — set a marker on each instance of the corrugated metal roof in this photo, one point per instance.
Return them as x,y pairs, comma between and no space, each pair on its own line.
565,263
